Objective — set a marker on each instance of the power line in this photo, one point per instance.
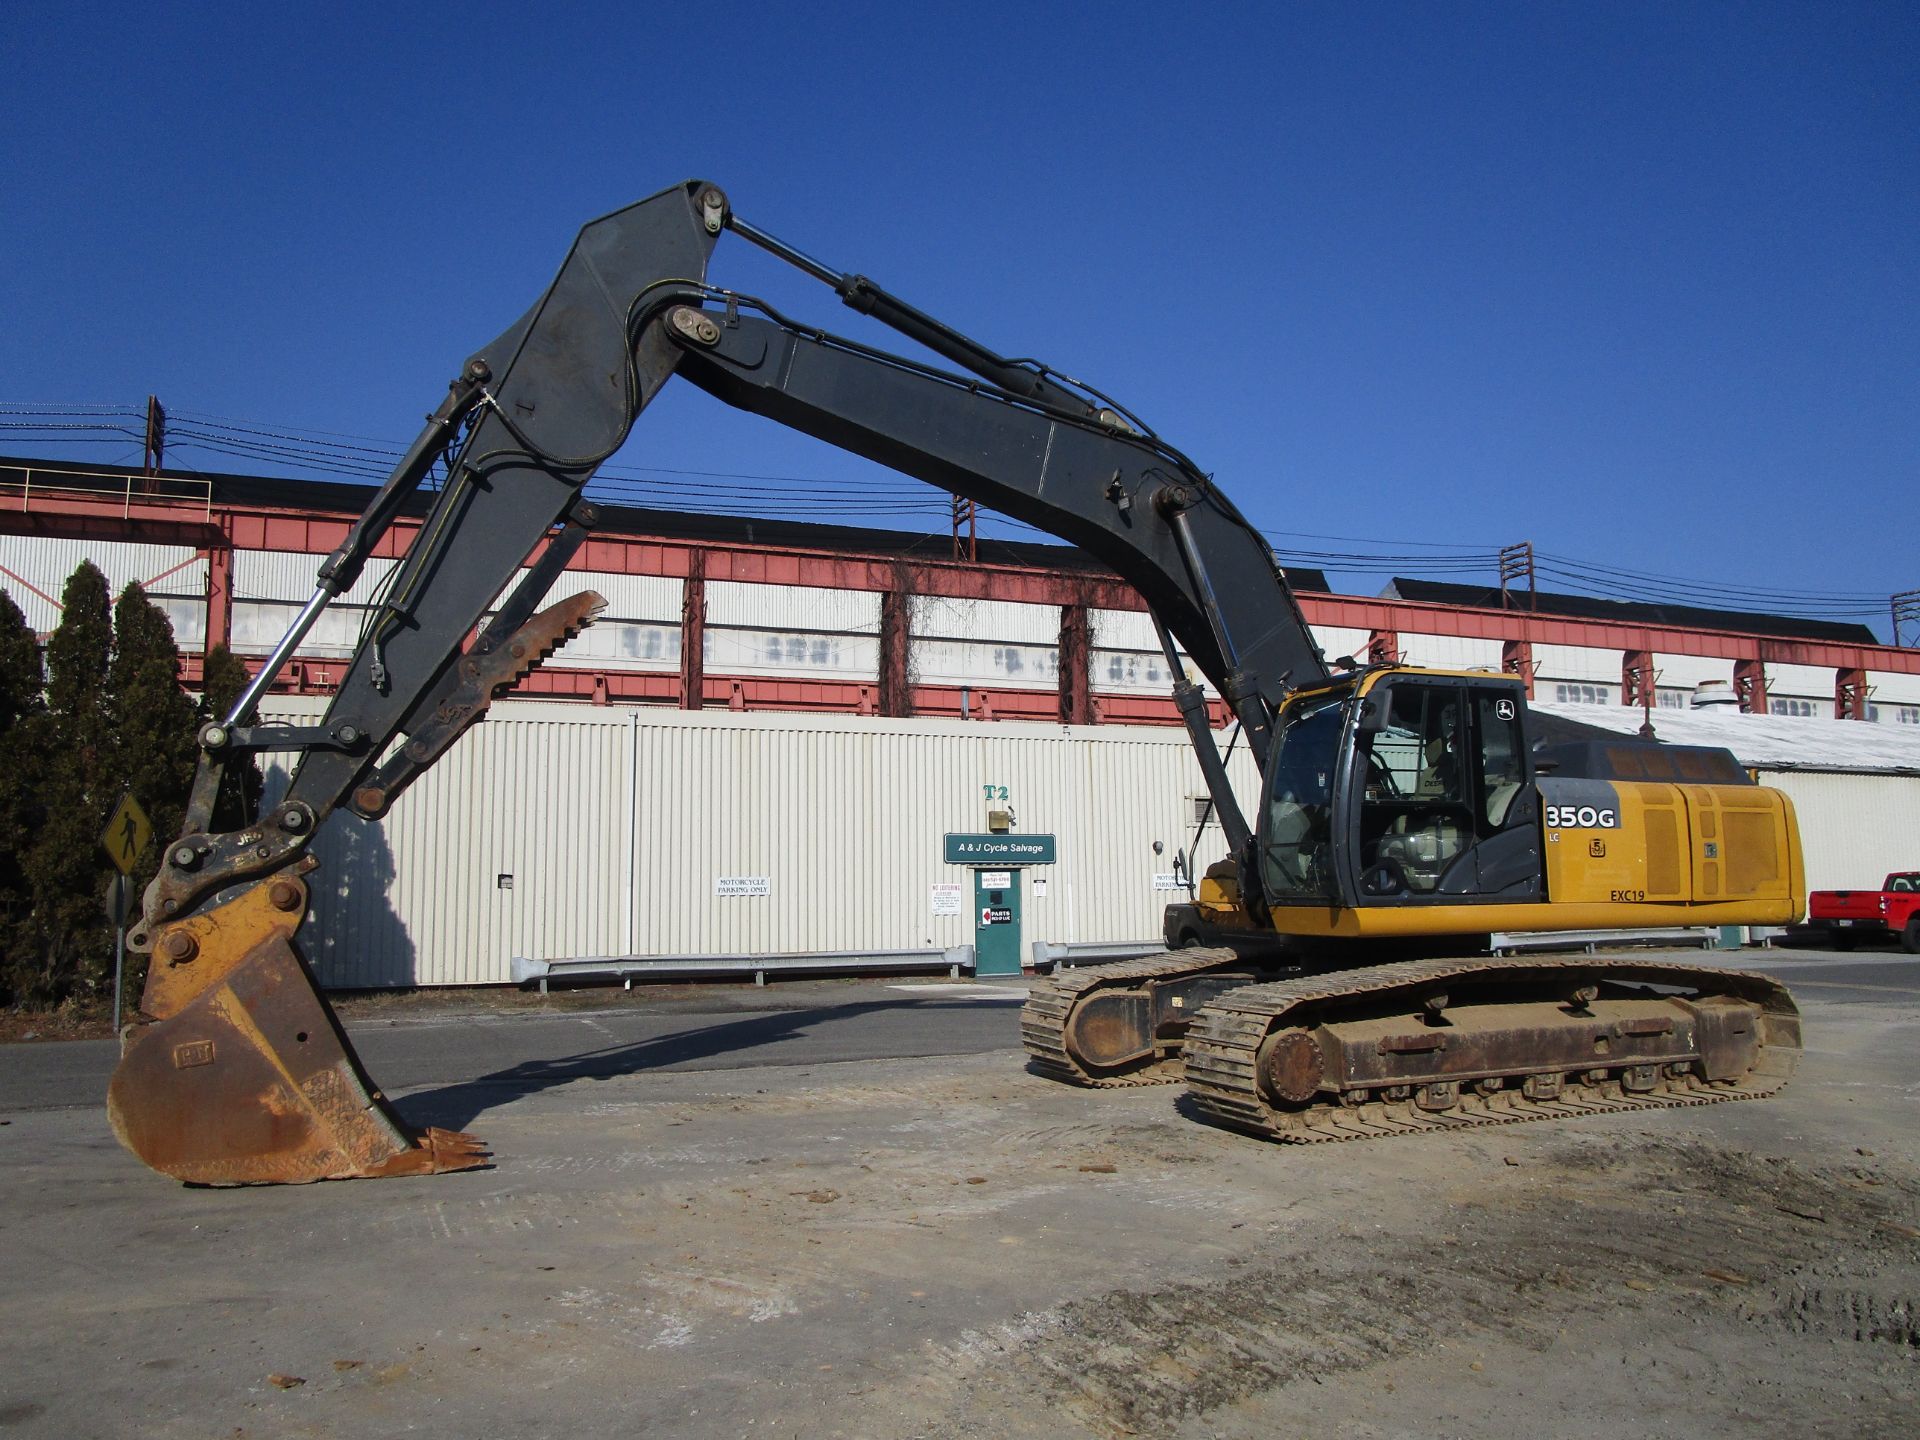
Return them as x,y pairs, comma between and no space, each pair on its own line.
748,494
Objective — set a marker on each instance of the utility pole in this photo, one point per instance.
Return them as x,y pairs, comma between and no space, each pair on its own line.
156,435
1516,656
1906,611
1516,562
968,513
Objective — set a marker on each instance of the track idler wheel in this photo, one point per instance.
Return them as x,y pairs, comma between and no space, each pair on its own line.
236,1071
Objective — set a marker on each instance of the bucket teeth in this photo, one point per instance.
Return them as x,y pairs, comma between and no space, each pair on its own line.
529,647
481,678
436,1151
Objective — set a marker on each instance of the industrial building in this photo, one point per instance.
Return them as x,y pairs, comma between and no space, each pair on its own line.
764,740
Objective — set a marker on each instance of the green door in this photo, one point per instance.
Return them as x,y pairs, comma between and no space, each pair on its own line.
996,922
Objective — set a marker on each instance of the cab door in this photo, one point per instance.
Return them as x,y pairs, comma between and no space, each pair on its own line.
1446,810
1508,864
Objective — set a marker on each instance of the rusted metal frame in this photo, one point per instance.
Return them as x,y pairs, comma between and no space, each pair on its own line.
280,529
1516,658
1426,618
1076,665
291,533
1750,685
1383,647
1719,1039
283,531
693,632
151,530
130,488
638,555
761,692
1636,678
1850,692
896,643
219,624
999,702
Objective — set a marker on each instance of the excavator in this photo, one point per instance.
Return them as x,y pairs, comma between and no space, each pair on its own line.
1398,806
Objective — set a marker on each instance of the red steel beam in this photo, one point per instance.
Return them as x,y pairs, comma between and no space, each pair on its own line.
317,531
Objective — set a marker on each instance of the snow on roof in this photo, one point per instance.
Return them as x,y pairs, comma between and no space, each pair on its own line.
1767,742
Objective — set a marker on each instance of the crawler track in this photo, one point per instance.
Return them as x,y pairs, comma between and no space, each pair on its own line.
1223,1047
1049,1009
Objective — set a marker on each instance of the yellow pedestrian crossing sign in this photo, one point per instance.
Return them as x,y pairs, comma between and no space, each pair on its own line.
127,834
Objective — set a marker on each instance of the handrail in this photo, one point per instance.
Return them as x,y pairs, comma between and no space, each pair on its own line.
123,486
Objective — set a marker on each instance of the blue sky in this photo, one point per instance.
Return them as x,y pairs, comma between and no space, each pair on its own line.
1636,283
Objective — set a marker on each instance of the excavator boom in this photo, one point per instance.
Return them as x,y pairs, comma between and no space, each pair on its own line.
235,1069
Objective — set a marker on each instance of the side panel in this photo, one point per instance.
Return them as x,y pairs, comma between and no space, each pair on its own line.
1614,842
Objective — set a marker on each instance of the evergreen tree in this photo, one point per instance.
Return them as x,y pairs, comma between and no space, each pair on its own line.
20,708
153,720
242,786
153,726
66,871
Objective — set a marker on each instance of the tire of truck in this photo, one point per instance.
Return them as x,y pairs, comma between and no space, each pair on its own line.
1910,937
1838,939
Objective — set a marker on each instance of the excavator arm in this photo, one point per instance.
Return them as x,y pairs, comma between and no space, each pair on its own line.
235,1070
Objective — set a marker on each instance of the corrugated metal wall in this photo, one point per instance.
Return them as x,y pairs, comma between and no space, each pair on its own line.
44,563
283,576
1854,828
1450,652
614,826
1337,640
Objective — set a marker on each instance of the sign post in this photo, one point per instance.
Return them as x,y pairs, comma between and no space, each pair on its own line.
125,840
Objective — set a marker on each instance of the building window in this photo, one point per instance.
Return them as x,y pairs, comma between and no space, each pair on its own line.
815,652
1803,708
1133,670
1571,694
1907,715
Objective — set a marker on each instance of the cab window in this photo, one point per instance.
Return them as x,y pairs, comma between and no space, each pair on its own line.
1417,815
1502,768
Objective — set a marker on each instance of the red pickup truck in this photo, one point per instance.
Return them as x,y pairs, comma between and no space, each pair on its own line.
1849,916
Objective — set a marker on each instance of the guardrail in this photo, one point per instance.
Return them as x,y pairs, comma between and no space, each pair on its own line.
118,487
629,968
1050,954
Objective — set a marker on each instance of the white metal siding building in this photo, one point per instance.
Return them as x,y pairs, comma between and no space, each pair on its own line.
552,831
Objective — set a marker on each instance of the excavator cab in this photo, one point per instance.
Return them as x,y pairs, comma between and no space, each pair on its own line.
1401,788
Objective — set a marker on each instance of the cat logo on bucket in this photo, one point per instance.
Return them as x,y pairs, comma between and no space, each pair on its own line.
1582,817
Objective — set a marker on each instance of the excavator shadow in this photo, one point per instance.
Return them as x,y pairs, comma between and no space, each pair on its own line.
749,1042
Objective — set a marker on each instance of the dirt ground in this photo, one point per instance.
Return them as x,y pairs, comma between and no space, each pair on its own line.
954,1247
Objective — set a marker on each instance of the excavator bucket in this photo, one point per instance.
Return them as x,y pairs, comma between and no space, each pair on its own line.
236,1070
